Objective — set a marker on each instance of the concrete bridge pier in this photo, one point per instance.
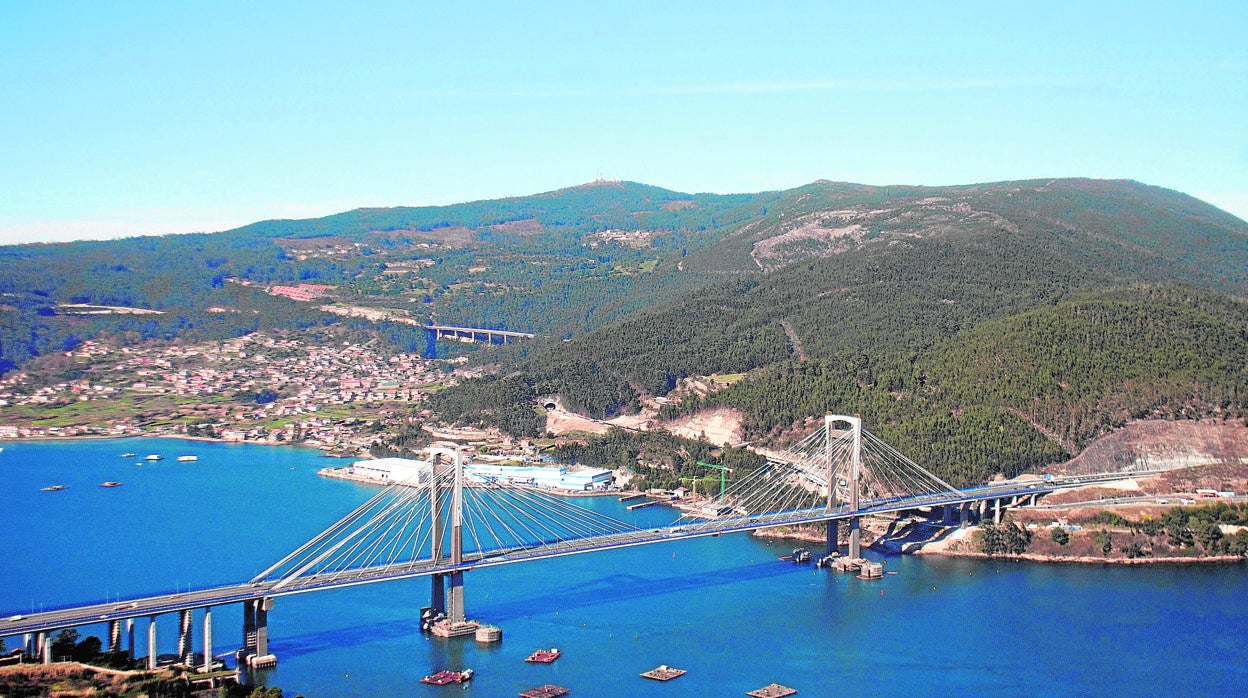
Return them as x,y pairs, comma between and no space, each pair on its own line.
130,640
437,594
114,636
855,539
964,515
45,647
207,639
151,642
834,534
186,646
256,626
455,597
28,644
996,510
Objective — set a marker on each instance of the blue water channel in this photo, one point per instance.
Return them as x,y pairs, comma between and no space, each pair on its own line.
725,609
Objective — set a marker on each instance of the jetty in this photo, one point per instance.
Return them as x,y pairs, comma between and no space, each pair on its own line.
650,503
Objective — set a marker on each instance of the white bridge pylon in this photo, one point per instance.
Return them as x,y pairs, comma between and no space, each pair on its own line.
838,467
406,526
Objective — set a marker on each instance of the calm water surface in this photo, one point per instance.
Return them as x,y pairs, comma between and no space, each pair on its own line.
723,608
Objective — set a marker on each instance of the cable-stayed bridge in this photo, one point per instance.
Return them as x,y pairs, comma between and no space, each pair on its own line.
440,525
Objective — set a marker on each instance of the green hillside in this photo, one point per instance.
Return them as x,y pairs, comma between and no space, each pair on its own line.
878,300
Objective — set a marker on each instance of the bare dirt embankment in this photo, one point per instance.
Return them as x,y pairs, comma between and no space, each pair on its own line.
1156,444
721,426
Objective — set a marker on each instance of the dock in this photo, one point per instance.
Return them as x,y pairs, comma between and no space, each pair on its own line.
547,691
630,497
650,503
663,673
774,690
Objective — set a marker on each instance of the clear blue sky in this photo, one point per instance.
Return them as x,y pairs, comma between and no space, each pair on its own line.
123,118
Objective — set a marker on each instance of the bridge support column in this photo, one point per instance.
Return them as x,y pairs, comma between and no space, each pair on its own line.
455,598
833,534
130,639
28,644
437,594
45,647
186,644
263,606
207,640
151,642
256,626
963,515
996,511
855,539
114,636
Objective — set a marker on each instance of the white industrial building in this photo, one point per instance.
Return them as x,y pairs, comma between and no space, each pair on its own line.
417,472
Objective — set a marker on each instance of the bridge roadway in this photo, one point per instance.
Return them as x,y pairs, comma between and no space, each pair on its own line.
74,616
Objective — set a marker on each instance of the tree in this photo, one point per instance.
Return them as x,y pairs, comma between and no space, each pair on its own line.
65,643
89,649
1105,540
1060,536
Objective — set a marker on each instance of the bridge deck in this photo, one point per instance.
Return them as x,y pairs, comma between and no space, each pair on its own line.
72,616
78,615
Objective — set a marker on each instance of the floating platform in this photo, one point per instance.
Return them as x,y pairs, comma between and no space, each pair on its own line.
663,673
774,690
445,677
543,656
547,691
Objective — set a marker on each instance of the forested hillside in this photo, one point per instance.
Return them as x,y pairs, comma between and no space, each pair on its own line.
1026,317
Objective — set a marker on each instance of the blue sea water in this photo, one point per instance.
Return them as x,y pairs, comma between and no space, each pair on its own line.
725,609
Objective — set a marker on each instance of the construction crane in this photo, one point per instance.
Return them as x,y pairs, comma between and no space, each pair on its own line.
723,475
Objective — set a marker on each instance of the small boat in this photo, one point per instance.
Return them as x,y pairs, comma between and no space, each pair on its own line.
110,483
154,456
443,678
187,459
129,455
53,488
544,656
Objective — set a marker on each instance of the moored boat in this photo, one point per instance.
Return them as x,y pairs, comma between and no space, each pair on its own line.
110,483
444,677
544,656
128,455
154,456
187,459
53,488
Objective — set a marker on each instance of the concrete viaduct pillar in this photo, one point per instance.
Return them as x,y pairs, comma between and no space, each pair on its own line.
45,647
151,642
207,640
130,641
114,636
186,645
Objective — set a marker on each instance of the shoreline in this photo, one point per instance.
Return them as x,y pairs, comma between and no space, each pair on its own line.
1058,559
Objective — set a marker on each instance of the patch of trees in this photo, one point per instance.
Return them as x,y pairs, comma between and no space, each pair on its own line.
660,459
1002,539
